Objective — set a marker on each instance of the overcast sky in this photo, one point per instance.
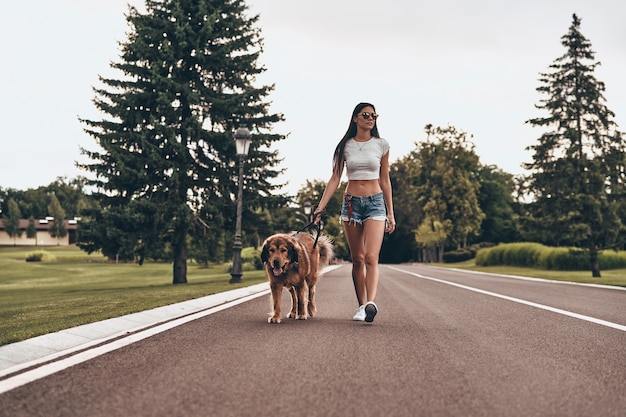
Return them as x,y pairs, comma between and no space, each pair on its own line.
473,64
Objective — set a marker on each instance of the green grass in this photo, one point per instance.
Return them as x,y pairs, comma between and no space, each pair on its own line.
609,277
42,297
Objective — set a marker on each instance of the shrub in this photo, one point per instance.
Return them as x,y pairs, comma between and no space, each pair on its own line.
535,255
40,256
565,259
458,255
252,257
245,266
465,254
514,254
250,260
611,259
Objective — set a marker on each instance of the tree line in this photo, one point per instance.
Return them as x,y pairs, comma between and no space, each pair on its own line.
164,179
60,200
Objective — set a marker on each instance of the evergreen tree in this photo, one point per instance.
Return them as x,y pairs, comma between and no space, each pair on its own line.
31,229
12,221
167,154
577,173
57,229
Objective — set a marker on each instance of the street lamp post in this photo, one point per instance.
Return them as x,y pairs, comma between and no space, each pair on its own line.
307,207
242,141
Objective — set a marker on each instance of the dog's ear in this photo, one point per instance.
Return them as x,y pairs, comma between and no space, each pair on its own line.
265,252
292,251
299,258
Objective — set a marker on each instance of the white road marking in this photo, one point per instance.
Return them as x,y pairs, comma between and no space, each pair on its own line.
56,366
581,284
518,300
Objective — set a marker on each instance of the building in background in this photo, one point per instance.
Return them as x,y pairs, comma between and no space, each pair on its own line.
42,238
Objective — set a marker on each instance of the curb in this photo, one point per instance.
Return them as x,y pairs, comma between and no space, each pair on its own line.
32,352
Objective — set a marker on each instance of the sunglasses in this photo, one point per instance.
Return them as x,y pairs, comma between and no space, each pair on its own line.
367,115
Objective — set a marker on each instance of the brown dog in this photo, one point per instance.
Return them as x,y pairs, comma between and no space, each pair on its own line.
292,261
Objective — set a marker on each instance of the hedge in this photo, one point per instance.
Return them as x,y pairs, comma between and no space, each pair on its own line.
464,254
535,255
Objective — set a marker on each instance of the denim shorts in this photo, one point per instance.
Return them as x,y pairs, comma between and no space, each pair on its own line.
358,209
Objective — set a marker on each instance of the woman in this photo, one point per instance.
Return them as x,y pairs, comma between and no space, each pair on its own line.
367,211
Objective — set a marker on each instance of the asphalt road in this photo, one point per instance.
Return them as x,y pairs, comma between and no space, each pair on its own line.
445,343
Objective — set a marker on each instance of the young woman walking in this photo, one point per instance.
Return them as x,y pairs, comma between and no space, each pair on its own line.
367,210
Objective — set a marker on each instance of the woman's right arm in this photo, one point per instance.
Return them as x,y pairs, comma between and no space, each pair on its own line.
329,191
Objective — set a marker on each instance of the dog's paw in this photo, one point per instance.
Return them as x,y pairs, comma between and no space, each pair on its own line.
291,315
273,320
302,317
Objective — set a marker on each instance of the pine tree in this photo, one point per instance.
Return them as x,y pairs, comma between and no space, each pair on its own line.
31,229
167,151
12,221
578,163
57,228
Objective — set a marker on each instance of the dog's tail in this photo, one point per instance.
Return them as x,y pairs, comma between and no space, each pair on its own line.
327,252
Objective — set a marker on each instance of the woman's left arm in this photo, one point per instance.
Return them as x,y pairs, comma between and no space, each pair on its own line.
385,185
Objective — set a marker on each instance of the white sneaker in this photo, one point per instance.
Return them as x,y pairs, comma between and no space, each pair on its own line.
370,311
360,314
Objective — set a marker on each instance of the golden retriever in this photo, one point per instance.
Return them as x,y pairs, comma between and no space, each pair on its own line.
294,261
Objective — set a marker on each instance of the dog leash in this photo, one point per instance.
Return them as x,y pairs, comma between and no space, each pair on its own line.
320,226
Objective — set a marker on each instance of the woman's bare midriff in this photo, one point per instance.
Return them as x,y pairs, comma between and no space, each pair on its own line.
363,188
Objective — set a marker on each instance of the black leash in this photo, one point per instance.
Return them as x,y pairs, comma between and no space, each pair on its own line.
320,226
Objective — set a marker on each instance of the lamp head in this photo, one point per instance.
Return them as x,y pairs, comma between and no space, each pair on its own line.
243,138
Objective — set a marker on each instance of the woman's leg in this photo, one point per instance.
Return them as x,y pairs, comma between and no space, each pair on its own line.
354,234
365,242
373,233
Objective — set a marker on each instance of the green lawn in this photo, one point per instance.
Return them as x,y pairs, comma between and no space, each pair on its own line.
609,277
42,297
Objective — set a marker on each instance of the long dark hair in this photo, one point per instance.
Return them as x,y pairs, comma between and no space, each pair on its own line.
350,133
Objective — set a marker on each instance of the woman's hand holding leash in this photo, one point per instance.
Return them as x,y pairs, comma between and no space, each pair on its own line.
318,213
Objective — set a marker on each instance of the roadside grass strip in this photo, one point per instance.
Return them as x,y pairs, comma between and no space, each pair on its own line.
129,330
38,368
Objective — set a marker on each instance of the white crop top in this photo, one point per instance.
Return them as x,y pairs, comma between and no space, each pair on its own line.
363,158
